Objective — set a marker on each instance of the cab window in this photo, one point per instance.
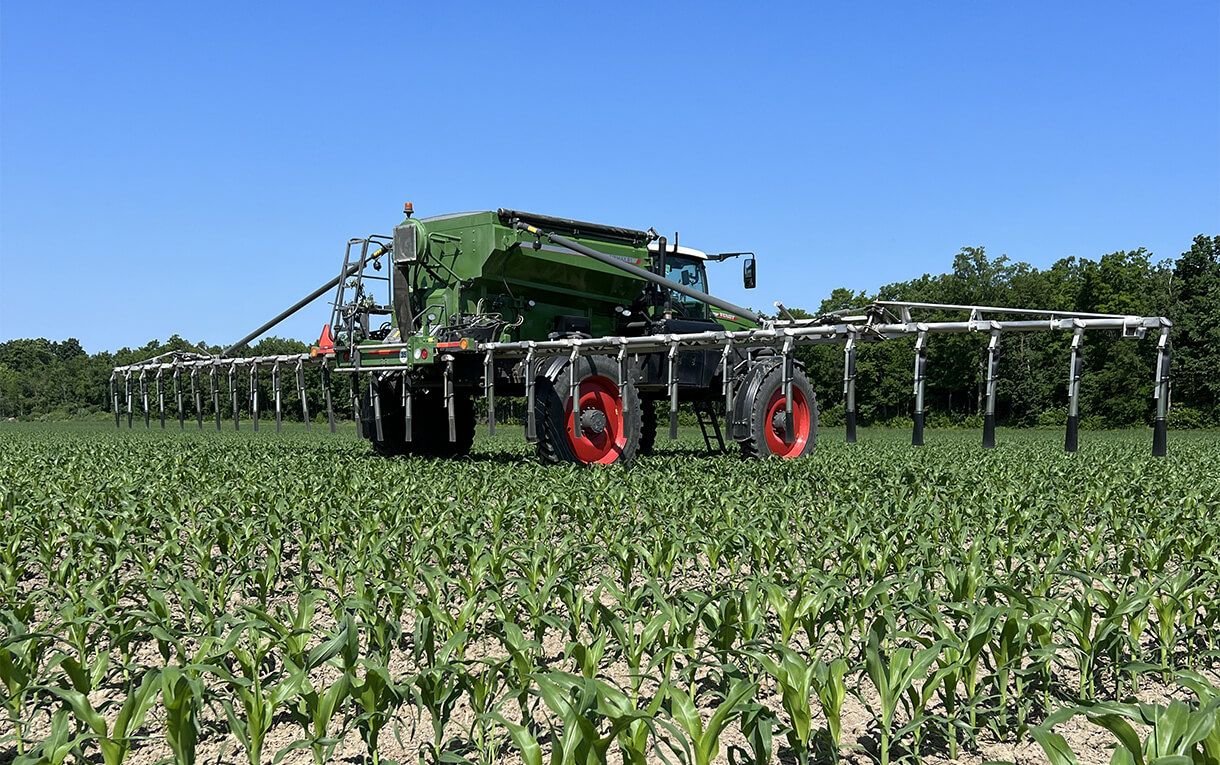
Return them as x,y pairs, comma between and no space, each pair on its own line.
689,273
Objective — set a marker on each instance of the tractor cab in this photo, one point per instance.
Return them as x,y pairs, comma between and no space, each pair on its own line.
686,266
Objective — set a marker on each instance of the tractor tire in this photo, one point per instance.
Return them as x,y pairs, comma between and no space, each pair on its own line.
429,423
610,429
648,428
391,443
766,437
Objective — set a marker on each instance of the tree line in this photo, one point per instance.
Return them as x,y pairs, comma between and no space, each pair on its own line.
1116,388
41,378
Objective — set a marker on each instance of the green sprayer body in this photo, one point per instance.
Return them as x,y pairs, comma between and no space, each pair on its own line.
594,330
476,277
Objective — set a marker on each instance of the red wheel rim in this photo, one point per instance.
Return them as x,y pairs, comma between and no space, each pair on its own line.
599,394
800,424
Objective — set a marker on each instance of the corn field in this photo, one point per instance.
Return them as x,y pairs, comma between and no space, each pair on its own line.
237,597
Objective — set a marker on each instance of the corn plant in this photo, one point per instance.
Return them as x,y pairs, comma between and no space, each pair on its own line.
60,743
1169,605
1208,697
702,737
1008,646
634,722
757,724
899,674
21,656
524,658
590,716
259,695
795,678
182,693
316,706
1177,732
377,697
587,656
831,689
315,710
1093,621
576,704
963,637
139,566
635,637
114,739
436,690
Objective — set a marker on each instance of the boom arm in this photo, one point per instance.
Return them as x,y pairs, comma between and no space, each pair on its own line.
319,292
634,270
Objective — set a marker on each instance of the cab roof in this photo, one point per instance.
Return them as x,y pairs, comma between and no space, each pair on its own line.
689,252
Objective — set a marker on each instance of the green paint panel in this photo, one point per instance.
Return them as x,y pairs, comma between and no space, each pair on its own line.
473,257
472,263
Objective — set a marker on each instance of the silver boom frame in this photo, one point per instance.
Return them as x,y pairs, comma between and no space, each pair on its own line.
880,321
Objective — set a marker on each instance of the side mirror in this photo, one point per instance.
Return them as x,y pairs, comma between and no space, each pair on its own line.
748,276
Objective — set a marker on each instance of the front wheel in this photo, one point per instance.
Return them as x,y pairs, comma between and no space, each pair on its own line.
609,415
768,432
648,428
430,422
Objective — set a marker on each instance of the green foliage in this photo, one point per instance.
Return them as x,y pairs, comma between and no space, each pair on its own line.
1117,383
169,595
58,380
1196,313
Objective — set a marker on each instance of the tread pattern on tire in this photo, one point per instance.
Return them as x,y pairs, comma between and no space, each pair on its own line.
648,428
429,426
755,446
550,402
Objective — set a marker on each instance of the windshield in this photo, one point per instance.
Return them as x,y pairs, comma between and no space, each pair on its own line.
688,272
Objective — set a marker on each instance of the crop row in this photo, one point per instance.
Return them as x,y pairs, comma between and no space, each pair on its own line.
164,593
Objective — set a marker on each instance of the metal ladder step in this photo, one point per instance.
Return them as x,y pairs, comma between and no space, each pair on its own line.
706,417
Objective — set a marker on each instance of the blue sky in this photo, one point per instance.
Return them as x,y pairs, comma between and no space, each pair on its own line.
195,167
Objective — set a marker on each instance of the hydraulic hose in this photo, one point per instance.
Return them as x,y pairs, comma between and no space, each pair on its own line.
635,270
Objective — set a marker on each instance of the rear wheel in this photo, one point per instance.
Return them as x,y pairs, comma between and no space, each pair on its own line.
429,423
648,428
435,424
609,415
768,433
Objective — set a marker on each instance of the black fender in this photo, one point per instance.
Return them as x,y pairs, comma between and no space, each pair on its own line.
551,367
746,390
